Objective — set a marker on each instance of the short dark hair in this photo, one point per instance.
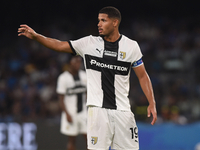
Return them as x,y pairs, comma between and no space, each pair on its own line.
112,12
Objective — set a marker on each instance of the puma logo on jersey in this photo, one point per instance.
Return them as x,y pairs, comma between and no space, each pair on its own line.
99,50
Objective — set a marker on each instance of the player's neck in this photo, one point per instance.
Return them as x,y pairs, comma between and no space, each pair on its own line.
112,37
73,72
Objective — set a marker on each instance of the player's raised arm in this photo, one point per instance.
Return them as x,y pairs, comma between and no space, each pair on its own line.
146,86
54,44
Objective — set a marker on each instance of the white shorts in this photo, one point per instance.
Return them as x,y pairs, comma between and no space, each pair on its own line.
108,127
78,125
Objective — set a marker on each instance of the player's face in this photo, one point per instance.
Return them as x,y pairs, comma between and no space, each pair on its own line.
76,63
105,25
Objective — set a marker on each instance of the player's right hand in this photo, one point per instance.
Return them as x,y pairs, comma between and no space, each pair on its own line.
25,30
151,109
69,118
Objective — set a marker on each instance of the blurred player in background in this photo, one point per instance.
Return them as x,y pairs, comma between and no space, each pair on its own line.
108,60
71,89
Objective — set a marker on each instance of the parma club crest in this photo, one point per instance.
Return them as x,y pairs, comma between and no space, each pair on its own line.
94,140
122,55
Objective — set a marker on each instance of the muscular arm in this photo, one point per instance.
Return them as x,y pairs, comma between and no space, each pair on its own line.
62,105
54,44
146,86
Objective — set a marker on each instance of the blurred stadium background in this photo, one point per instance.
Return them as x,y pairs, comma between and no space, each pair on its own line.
168,33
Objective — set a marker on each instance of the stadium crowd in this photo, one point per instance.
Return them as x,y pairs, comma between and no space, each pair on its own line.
171,49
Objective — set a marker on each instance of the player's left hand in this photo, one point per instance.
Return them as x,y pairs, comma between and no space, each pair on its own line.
151,109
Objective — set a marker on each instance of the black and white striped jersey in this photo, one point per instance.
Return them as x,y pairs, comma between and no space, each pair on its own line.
108,67
74,89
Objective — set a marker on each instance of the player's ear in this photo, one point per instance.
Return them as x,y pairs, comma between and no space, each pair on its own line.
115,22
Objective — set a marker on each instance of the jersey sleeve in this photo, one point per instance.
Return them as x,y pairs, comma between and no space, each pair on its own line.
137,56
79,46
61,86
